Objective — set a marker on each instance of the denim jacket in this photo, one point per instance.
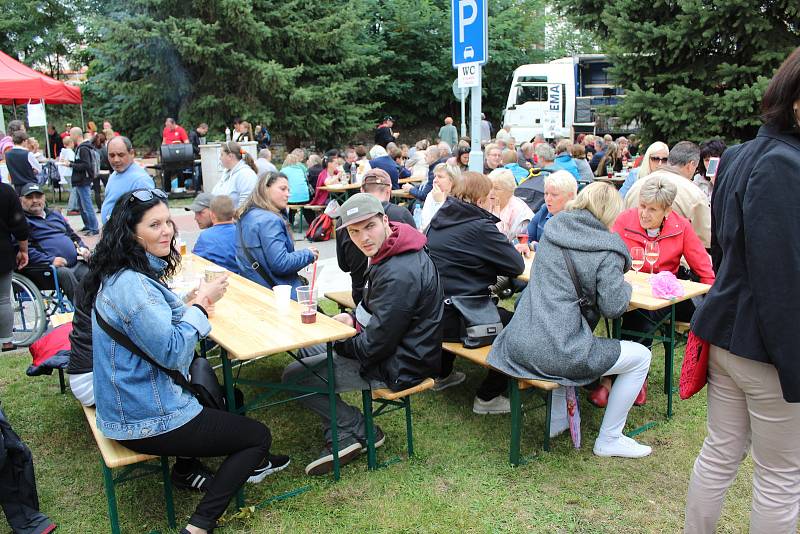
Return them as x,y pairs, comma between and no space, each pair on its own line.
267,239
134,399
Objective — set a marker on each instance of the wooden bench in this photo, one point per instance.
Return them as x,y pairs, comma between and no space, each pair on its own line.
389,401
56,320
115,455
343,298
515,385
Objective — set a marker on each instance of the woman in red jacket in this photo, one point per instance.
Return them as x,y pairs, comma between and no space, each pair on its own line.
654,220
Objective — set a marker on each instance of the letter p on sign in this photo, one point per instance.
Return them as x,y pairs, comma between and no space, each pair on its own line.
463,5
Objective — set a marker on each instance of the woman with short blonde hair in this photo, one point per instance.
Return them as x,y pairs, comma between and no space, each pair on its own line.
513,212
654,157
601,200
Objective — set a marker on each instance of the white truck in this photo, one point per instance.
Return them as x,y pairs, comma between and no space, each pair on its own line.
561,98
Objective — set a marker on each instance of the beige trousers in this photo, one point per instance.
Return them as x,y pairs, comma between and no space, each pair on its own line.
746,410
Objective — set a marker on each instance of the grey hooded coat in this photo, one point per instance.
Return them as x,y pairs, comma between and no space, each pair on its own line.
548,339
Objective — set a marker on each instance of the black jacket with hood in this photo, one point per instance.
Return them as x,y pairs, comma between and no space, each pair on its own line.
400,318
469,252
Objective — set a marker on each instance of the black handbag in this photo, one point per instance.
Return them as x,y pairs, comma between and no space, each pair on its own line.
480,321
202,384
588,305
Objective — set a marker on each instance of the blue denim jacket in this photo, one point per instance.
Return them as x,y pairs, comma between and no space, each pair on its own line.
134,399
267,239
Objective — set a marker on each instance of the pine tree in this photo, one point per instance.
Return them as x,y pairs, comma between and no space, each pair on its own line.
691,69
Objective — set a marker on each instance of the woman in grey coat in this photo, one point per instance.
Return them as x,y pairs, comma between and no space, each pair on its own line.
548,338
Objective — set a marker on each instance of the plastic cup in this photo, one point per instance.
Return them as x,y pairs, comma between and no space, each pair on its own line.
308,304
283,294
213,271
522,238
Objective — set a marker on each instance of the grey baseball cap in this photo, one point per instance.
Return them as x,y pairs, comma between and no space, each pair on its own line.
359,207
30,188
201,202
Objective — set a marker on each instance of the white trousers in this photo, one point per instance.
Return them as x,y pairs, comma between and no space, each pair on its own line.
631,370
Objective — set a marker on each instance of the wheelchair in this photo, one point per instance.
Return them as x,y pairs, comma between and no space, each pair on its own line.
35,296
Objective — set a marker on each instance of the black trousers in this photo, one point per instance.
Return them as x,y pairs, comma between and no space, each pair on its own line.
495,383
244,441
644,320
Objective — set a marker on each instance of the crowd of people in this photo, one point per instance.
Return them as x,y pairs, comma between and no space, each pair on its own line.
414,268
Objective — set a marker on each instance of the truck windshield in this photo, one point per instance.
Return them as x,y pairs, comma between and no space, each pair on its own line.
531,93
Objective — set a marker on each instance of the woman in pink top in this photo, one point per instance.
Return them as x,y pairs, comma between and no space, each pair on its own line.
513,212
331,174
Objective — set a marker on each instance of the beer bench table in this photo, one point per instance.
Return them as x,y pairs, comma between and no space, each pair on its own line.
250,323
341,192
515,385
343,298
115,455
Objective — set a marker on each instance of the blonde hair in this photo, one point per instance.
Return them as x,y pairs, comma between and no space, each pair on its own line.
644,168
503,178
453,172
259,197
290,159
601,200
563,181
658,190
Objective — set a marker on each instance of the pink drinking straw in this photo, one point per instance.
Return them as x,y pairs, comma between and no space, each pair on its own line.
313,278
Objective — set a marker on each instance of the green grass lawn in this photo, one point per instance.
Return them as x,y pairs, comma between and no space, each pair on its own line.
460,479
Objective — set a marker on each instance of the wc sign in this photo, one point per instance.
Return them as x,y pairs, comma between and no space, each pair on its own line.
470,32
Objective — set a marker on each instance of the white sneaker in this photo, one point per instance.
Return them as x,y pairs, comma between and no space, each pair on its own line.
623,446
495,406
453,379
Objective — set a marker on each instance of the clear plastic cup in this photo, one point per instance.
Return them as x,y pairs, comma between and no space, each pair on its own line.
308,304
283,294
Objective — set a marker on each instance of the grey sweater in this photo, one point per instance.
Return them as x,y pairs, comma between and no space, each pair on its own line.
548,338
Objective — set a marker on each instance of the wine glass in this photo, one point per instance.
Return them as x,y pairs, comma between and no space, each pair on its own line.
651,254
637,258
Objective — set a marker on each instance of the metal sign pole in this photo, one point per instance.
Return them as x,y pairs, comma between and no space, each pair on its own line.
476,155
463,112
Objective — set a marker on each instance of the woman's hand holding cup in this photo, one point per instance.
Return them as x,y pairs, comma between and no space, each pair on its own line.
210,292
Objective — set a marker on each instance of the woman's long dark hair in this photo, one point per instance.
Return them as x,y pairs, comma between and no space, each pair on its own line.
119,248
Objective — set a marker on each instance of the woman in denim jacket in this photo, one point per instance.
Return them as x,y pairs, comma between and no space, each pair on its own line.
137,403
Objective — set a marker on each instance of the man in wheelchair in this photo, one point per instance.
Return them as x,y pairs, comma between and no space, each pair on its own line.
53,242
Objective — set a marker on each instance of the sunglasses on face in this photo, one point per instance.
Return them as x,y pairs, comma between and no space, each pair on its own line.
146,195
656,159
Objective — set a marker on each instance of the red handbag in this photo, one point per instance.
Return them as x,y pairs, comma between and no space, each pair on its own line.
694,371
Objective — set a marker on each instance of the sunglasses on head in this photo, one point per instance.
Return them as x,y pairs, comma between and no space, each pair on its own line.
658,160
146,195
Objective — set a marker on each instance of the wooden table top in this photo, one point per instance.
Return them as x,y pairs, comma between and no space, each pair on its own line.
411,180
248,321
340,187
642,296
400,193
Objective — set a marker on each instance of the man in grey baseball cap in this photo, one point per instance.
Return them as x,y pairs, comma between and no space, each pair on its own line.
398,344
200,207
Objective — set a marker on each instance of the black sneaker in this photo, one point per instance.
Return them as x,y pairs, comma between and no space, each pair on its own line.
380,439
271,464
324,464
198,478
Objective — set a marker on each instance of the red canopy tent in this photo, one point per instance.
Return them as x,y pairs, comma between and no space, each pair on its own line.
20,84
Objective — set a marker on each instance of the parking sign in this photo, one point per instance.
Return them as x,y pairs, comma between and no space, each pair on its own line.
470,31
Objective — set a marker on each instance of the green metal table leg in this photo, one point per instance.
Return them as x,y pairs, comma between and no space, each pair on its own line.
516,421
168,491
111,497
227,379
669,360
548,405
409,427
372,457
616,328
334,424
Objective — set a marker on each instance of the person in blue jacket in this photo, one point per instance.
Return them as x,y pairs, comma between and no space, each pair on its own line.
264,236
564,159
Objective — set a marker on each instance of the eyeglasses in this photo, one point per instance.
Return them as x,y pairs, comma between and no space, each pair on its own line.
656,159
146,195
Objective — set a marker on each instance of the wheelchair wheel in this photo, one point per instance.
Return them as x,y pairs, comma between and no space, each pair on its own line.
30,314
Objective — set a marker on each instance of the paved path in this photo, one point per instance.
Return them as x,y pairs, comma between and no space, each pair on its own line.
329,276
